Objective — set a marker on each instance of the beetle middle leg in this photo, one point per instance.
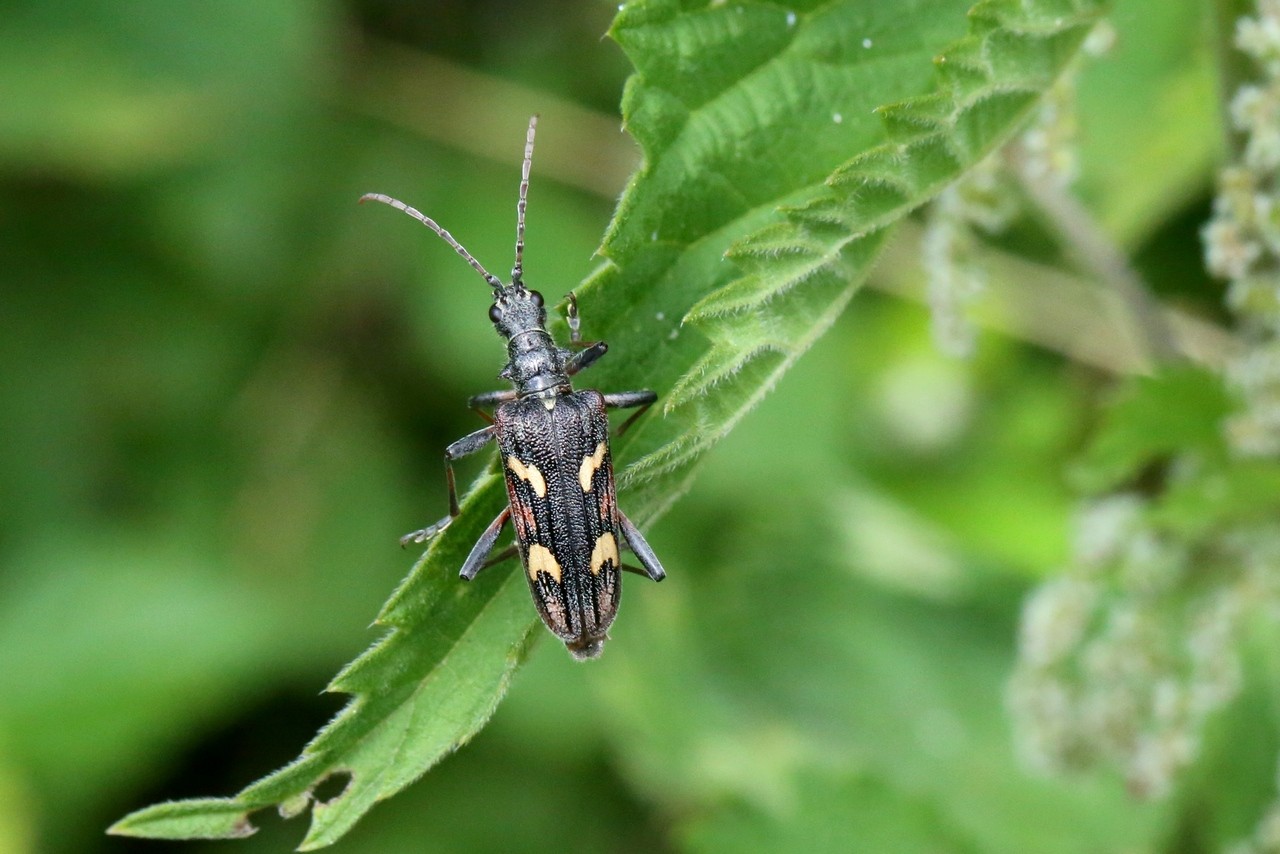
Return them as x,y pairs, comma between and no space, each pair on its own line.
627,399
468,444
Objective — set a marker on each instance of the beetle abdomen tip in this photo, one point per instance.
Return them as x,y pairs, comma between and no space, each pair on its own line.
584,649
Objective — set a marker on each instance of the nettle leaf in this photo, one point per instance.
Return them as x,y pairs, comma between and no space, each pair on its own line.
1152,419
1171,425
780,147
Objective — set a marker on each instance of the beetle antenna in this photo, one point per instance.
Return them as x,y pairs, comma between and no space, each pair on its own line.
517,271
430,223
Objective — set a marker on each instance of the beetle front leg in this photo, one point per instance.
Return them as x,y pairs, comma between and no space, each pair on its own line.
585,358
627,399
591,350
468,444
489,399
571,317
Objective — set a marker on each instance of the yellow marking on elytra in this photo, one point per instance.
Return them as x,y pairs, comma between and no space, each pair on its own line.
541,559
529,473
590,465
606,549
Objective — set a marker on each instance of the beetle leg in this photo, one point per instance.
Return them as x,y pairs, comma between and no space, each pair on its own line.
586,357
590,351
489,399
627,399
506,554
468,444
478,559
634,570
640,548
571,316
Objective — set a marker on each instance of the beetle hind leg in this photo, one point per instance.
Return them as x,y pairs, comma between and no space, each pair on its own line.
479,557
640,548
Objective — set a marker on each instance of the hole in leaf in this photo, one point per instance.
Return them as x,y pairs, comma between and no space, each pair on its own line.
331,787
265,735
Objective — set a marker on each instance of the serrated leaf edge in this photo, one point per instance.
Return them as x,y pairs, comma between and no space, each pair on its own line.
989,20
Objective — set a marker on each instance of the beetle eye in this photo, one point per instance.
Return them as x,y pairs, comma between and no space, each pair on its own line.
537,298
495,313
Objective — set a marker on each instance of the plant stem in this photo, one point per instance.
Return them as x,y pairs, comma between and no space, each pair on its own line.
1097,253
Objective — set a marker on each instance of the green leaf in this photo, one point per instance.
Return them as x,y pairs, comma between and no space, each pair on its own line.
420,692
780,147
1215,499
198,818
759,211
1152,418
1177,418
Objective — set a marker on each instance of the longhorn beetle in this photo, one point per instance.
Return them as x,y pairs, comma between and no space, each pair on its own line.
554,443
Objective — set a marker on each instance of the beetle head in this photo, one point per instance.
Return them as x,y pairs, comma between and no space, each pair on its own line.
517,309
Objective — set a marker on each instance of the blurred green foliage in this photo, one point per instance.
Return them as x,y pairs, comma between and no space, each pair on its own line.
226,390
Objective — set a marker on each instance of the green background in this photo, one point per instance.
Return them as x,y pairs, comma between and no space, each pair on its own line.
225,389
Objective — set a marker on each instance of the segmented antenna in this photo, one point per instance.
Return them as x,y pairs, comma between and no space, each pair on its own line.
494,281
517,271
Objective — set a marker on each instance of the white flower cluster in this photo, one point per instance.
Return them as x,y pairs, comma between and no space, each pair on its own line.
1242,240
1260,37
1124,658
955,282
1117,661
1048,146
983,200
1242,244
1255,374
